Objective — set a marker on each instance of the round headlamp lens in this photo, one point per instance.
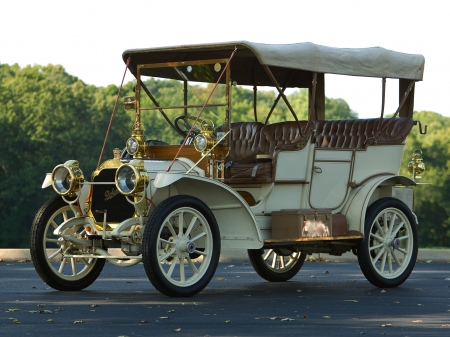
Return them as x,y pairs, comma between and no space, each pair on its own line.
200,143
62,180
132,146
126,180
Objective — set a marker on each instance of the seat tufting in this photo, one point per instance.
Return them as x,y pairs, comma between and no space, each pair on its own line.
360,133
271,137
244,140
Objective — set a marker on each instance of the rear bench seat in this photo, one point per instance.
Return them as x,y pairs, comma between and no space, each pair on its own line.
360,133
252,138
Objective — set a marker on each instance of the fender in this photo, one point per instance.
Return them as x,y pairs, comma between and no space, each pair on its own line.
236,221
80,220
127,224
361,197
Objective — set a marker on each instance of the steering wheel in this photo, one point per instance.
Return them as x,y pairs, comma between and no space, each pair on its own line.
186,126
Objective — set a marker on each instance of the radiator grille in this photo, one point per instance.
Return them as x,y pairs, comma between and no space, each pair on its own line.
108,197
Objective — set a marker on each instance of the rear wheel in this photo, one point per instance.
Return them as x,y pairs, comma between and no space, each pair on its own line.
47,250
181,246
389,251
276,265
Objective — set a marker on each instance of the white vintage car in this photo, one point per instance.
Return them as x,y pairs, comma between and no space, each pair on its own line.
281,190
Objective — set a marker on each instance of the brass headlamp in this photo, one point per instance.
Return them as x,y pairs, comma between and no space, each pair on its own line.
416,166
67,178
205,140
131,178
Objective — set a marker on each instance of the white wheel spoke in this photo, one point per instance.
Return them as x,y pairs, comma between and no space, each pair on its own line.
380,229
274,260
61,267
180,223
192,265
167,255
191,225
173,263
86,262
390,263
182,275
379,239
54,224
170,227
402,251
64,213
386,223
378,255
399,264
200,252
52,240
166,242
403,237
383,262
198,236
376,246
74,267
266,257
397,228
282,262
392,223
54,254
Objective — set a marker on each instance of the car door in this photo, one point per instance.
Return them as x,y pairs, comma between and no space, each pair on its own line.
330,176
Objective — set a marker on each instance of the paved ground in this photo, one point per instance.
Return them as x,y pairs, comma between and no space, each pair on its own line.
435,255
323,299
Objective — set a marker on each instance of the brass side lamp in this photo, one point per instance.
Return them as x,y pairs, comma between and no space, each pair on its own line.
416,166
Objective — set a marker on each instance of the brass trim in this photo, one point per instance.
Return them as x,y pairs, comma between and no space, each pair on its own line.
184,106
328,238
111,163
182,63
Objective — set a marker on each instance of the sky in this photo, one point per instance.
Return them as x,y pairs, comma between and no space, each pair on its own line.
88,37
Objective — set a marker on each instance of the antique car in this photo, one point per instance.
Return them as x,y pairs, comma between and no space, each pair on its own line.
282,190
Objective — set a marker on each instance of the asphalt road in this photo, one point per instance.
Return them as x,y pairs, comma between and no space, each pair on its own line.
324,299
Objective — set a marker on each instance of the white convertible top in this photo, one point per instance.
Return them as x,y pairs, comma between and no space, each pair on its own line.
306,56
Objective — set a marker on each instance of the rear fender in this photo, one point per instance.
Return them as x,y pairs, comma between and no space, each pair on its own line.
236,221
362,197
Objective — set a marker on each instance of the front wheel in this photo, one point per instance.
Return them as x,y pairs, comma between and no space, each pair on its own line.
47,250
389,251
181,246
276,265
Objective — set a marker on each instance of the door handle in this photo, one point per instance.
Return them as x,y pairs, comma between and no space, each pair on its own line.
317,169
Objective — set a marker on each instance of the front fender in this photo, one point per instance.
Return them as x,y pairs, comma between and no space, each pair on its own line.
77,221
236,221
363,196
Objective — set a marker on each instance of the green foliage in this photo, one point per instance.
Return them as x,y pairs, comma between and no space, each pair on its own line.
432,205
46,118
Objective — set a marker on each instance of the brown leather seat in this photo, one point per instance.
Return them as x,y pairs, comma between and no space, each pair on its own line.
244,140
271,138
360,133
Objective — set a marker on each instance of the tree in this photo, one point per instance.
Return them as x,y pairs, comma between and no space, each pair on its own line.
432,205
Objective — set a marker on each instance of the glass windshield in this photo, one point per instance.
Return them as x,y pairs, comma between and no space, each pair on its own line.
172,96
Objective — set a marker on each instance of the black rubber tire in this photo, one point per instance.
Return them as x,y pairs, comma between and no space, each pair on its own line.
48,274
150,257
270,274
365,256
